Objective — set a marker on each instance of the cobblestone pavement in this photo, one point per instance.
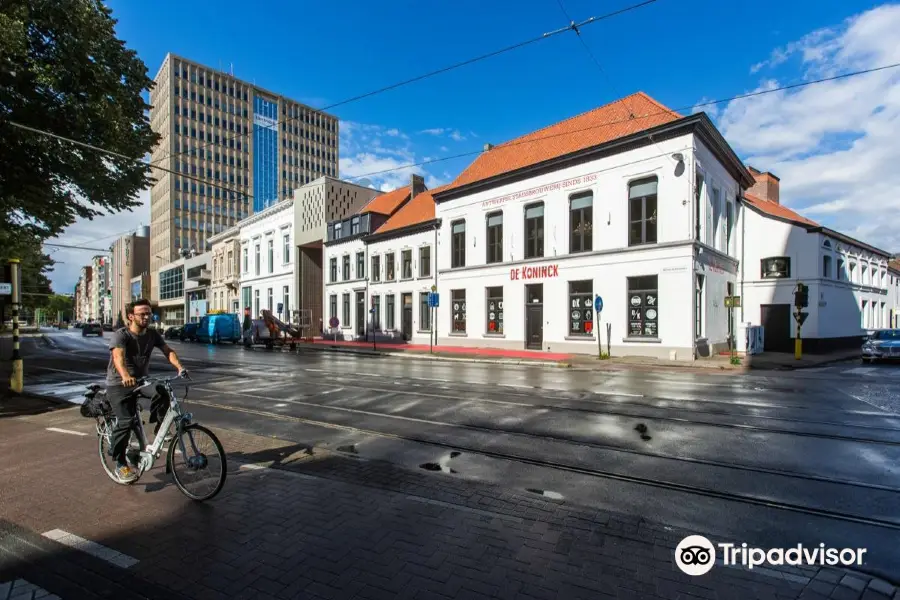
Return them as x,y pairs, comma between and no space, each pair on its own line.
298,522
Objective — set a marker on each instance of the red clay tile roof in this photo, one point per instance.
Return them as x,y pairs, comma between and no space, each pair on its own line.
418,210
777,210
586,130
386,204
894,264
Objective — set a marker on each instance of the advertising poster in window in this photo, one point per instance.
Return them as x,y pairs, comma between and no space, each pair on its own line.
459,314
495,316
582,314
643,315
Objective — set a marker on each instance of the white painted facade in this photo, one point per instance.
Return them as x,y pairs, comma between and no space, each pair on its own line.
267,259
395,294
659,276
850,287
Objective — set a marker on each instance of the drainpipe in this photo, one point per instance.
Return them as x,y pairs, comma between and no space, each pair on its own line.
434,319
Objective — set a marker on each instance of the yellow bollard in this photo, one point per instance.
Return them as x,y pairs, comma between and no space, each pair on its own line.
16,379
798,348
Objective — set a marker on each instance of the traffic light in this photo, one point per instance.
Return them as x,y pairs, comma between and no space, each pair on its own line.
801,296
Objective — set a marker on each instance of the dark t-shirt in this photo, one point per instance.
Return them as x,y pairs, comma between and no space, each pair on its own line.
138,349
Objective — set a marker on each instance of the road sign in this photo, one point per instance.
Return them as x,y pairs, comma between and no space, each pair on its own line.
5,289
732,301
333,322
434,288
598,304
280,307
434,300
800,317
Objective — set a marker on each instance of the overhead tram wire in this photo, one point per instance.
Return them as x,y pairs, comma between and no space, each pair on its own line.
135,160
440,71
648,115
506,145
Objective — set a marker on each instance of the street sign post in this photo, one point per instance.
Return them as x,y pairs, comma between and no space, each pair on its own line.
5,289
434,301
801,301
598,308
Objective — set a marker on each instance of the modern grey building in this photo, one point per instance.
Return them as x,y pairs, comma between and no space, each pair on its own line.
315,205
232,149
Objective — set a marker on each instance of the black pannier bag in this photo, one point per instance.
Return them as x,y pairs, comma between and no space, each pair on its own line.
95,405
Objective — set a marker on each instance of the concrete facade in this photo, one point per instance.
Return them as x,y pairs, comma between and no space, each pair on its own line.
197,279
129,258
315,205
235,149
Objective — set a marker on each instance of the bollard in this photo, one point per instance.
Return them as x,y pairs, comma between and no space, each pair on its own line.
16,379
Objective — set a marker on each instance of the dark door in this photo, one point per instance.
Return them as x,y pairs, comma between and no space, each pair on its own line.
534,316
360,314
406,318
776,322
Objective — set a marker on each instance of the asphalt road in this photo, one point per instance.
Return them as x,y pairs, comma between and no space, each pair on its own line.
772,459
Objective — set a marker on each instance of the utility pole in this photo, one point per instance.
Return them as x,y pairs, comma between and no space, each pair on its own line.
16,379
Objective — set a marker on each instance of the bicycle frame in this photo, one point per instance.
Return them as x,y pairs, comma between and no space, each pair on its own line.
175,415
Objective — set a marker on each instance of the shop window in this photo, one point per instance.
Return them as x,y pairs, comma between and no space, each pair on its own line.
494,310
458,244
345,305
581,307
389,311
494,223
581,207
424,312
534,230
643,307
642,212
458,306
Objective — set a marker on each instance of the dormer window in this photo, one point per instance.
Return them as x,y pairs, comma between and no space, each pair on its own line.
776,267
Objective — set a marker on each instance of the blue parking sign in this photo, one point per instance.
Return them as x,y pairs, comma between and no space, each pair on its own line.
434,300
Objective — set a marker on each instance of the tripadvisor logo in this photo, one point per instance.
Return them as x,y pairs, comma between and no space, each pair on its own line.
696,555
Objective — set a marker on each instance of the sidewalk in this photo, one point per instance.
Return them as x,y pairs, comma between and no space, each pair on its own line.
303,522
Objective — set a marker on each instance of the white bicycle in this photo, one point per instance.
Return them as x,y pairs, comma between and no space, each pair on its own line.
192,446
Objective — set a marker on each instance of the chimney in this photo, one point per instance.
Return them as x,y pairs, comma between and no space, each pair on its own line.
488,146
766,186
416,185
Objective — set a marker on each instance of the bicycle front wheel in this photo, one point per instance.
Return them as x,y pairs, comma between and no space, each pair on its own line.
197,461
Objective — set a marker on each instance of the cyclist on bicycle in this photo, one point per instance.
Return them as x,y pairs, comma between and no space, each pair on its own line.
131,348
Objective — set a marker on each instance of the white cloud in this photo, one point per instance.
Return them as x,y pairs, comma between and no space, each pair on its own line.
368,150
434,131
99,233
457,136
832,144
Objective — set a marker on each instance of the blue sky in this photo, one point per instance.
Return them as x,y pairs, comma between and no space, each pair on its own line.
679,51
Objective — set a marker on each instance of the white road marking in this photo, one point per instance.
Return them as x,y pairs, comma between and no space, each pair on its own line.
72,372
69,431
516,385
93,548
280,405
604,393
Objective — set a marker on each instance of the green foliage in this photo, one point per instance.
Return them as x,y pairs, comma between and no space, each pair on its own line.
63,70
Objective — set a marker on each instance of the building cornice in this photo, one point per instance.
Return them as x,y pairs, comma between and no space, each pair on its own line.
402,231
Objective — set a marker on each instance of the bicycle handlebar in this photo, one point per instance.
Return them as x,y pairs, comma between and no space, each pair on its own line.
145,381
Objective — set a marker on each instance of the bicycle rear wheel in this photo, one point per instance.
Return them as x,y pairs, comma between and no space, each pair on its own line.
105,427
196,454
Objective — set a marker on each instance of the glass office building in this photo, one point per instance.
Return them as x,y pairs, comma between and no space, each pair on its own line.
231,148
265,153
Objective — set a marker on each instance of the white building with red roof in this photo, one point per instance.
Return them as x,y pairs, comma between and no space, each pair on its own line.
631,203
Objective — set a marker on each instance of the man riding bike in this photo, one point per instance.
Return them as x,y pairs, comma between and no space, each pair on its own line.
131,348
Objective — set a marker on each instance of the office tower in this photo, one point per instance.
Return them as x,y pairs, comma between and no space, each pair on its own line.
129,258
235,149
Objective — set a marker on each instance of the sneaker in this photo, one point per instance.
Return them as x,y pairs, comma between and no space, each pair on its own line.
126,474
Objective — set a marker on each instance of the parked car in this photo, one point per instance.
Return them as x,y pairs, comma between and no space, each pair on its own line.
172,333
189,332
219,328
881,344
92,329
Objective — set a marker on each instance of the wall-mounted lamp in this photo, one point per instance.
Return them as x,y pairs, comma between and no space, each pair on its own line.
678,156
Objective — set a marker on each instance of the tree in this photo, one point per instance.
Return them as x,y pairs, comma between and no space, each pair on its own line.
63,70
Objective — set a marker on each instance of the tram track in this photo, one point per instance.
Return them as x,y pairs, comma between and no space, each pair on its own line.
575,469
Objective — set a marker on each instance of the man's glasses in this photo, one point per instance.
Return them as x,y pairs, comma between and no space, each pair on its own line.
142,315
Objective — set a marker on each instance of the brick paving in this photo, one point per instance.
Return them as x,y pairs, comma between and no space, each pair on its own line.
327,525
